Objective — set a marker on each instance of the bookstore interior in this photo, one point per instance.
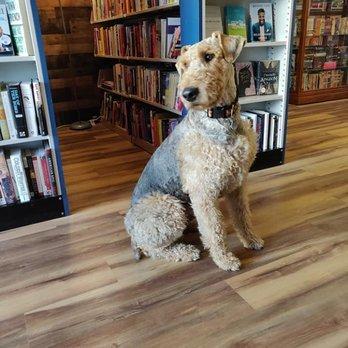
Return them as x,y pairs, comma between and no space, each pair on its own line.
295,53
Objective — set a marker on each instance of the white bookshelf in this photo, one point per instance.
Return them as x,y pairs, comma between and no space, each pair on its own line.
279,49
24,68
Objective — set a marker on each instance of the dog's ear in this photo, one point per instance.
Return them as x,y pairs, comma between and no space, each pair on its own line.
230,45
184,49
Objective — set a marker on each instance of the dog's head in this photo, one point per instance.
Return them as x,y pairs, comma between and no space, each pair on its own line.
206,71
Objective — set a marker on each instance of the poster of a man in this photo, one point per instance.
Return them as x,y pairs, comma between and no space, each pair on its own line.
261,19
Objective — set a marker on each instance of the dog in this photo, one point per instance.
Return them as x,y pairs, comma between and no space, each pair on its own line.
207,156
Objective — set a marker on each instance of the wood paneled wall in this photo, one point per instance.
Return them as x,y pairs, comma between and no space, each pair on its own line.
79,42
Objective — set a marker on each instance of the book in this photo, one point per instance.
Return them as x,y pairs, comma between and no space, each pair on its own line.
19,175
245,79
32,175
235,20
15,96
9,114
28,175
44,173
266,76
39,108
38,172
213,20
261,22
265,127
2,197
173,37
6,180
10,169
29,108
20,27
50,167
5,134
6,44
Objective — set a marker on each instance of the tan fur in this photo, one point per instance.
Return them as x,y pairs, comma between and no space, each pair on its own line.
209,167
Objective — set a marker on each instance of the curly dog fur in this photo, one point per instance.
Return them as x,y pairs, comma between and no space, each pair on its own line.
202,160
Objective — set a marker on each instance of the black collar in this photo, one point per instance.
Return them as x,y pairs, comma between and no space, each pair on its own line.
225,111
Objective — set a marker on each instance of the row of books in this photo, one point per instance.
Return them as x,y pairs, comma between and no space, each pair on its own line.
152,84
138,120
15,33
159,38
104,9
323,5
268,127
326,41
21,110
257,77
327,25
324,80
256,25
326,58
25,175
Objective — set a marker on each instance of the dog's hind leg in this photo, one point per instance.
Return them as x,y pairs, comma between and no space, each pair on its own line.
238,205
155,223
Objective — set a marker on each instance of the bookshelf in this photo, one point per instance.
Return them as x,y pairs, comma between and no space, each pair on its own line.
320,57
22,68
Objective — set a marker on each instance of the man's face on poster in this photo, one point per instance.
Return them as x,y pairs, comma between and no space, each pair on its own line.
261,16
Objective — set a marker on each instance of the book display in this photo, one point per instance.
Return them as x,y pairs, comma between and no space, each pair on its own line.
320,52
31,180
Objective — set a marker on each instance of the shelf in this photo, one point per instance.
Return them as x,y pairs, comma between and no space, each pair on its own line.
268,159
151,10
134,97
259,99
22,214
265,44
16,59
142,59
19,141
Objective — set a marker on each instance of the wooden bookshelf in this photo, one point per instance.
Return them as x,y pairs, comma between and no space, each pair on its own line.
140,59
302,50
149,11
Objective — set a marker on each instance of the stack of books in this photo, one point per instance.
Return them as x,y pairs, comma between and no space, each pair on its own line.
21,111
15,33
151,84
26,175
158,38
104,9
268,127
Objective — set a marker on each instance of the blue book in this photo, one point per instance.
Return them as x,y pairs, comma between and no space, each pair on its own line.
235,21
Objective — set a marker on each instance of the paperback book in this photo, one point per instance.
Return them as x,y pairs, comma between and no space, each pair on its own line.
261,22
245,79
266,76
235,21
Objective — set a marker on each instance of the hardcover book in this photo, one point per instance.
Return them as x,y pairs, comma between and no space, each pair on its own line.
266,76
173,30
29,108
6,180
261,22
6,44
235,21
9,114
245,79
19,175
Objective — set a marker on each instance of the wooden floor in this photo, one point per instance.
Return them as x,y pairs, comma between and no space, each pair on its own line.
72,282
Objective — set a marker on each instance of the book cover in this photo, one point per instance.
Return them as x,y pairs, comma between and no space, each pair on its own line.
9,114
235,20
45,173
2,197
19,27
266,76
10,169
261,22
38,172
28,175
39,108
6,180
6,43
5,134
15,96
19,175
29,108
173,35
245,79
265,116
213,20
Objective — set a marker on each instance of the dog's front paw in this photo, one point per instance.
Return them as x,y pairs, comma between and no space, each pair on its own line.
256,243
227,262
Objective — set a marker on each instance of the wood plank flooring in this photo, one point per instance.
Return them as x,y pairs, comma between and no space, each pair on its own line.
72,282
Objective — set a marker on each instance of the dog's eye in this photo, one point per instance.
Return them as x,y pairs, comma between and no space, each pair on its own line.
209,57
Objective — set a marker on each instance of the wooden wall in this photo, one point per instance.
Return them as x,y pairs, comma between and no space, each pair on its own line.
80,43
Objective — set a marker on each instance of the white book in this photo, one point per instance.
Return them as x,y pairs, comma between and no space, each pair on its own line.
19,174
280,133
17,14
163,38
271,133
40,114
265,128
10,169
9,115
46,189
29,107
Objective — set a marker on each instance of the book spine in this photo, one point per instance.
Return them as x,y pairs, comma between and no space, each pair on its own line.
19,174
28,176
3,123
50,166
29,107
46,175
38,173
15,96
9,115
32,174
2,197
280,133
260,127
40,113
6,180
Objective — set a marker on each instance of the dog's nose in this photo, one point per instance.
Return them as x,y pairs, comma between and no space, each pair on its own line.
190,93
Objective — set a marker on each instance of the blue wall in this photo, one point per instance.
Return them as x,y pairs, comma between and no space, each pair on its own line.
191,21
